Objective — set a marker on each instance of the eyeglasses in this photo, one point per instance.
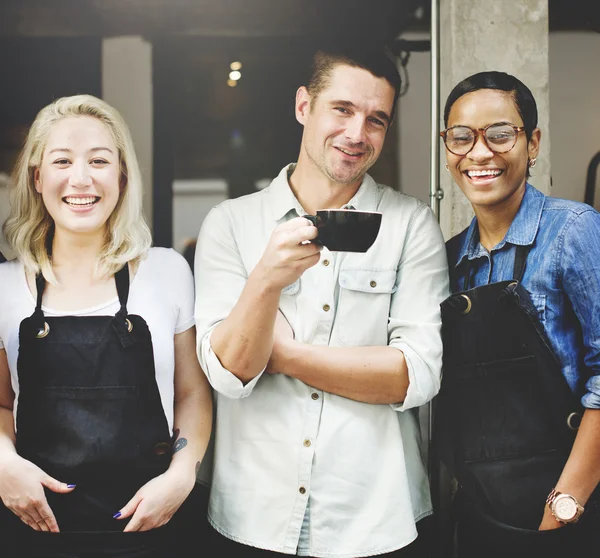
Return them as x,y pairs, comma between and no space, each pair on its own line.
500,137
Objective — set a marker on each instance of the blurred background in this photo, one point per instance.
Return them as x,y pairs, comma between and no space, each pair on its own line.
207,88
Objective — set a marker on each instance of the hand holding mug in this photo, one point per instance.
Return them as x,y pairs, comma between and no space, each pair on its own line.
289,252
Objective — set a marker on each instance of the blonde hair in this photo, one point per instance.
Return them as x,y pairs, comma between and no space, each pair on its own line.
29,228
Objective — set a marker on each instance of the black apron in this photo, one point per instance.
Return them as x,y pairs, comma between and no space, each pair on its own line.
89,413
504,421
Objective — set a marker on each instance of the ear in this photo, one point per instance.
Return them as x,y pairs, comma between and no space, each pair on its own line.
533,147
302,104
36,180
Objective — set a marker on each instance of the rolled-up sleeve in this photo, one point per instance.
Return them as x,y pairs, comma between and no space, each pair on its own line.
581,281
414,325
220,278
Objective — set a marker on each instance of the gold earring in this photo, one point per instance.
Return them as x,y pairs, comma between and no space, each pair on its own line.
532,162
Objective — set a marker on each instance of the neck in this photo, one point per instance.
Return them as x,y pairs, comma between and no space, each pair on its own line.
314,190
494,222
76,251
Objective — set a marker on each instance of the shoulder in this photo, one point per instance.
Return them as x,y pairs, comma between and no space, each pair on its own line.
564,218
166,264
568,207
10,271
406,207
242,205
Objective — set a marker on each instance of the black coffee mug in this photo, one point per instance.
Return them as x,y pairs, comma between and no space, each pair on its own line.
346,230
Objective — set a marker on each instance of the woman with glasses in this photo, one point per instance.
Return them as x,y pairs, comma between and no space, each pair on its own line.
105,413
517,421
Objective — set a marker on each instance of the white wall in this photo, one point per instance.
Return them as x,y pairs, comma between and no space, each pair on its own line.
127,86
574,116
574,111
192,200
3,211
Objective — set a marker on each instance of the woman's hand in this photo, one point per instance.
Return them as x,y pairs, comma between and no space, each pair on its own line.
155,503
22,491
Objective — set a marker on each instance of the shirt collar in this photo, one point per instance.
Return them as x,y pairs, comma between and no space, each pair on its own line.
522,230
284,201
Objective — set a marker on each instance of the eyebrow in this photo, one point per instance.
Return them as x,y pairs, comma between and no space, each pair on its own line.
379,113
67,150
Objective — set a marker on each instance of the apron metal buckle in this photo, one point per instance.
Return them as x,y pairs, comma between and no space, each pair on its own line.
43,332
573,421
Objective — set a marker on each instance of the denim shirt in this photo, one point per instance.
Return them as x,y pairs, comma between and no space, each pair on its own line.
562,275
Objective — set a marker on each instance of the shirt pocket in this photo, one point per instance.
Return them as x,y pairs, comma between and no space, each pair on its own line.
539,302
364,306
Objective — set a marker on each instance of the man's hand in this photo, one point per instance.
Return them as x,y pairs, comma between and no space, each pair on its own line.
282,335
289,253
22,490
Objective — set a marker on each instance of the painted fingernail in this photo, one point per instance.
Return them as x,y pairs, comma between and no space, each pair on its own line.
117,515
71,485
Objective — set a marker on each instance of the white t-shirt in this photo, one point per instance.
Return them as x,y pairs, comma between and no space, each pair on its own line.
161,292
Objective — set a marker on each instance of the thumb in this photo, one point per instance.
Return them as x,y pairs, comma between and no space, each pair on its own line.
128,508
57,486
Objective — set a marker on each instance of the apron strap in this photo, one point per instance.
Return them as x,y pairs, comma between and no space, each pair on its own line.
520,262
122,281
521,253
38,314
121,323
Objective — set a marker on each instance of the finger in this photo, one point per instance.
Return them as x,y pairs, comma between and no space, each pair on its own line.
128,509
57,486
299,235
294,223
26,518
137,523
48,519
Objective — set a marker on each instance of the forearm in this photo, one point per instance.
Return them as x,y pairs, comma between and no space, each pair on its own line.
377,375
192,426
7,433
581,473
244,340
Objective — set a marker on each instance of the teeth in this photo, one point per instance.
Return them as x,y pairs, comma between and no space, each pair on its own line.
486,172
347,152
80,201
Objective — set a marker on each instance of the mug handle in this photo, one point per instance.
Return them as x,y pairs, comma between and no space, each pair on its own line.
313,219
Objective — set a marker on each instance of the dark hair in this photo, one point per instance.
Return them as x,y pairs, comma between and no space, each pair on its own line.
375,61
501,81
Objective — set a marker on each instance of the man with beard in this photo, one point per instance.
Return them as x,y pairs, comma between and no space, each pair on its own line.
321,359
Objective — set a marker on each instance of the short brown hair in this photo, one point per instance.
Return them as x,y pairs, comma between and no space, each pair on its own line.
376,62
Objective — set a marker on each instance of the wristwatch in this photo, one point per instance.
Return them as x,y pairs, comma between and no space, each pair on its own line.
564,507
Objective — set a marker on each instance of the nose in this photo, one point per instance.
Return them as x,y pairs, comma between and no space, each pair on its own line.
480,151
356,130
80,175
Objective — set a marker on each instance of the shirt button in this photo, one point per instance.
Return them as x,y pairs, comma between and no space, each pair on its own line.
302,490
315,396
373,284
326,307
307,443
325,262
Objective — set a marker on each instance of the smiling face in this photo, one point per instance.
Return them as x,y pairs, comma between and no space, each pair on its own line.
486,178
345,125
79,175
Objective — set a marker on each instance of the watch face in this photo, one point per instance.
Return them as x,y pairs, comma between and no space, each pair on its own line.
565,508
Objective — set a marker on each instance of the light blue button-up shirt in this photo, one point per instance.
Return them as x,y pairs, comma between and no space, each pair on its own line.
280,443
562,276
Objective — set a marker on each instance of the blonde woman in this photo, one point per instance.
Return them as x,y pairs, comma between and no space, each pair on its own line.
105,414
